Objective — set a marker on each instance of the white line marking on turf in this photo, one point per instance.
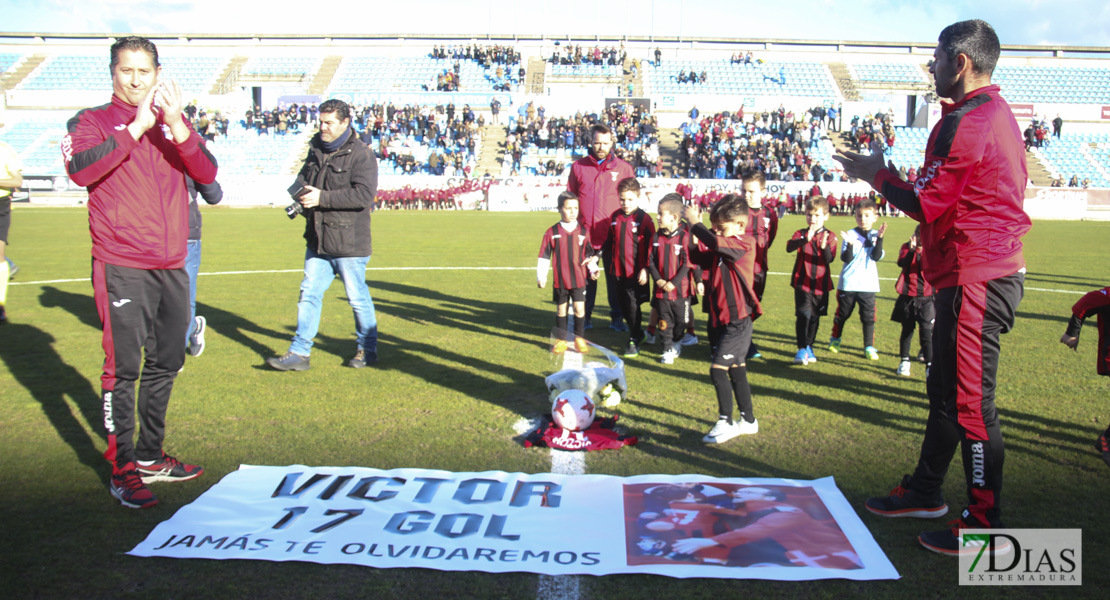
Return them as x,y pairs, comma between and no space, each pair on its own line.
86,279
369,269
563,587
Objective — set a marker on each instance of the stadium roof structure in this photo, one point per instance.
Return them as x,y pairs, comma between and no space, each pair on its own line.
766,44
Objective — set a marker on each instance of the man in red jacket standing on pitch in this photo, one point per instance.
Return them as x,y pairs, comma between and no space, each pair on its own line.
969,199
594,178
133,154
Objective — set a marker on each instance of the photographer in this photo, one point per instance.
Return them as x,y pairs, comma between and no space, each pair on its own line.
334,192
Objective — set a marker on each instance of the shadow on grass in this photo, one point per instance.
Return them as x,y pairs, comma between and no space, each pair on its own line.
235,328
81,306
1053,278
228,324
491,318
1061,318
39,369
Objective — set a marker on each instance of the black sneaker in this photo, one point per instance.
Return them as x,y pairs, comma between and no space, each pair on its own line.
947,541
3,316
127,487
168,468
363,358
631,351
905,502
1103,446
196,340
290,361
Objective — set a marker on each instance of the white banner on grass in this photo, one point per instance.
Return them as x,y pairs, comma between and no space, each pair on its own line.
543,523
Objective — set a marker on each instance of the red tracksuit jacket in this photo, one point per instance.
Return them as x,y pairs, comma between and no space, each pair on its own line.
970,195
138,202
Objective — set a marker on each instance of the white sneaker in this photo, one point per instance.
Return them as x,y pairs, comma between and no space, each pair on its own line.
649,339
747,428
688,340
670,355
722,432
196,341
904,368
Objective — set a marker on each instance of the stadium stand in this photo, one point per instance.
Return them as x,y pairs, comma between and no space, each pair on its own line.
1067,85
195,75
280,66
805,79
586,70
7,59
37,141
245,152
1084,156
909,149
888,73
411,72
361,74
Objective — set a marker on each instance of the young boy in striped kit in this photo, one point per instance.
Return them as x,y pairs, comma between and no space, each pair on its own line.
668,266
566,248
914,307
626,250
728,255
812,277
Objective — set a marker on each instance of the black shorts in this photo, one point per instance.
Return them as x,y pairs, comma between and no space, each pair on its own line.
807,304
913,309
643,291
5,217
732,343
562,295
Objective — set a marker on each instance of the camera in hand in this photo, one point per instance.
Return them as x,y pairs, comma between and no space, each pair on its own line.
296,208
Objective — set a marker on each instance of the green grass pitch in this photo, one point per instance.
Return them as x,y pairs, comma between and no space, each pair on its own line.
464,334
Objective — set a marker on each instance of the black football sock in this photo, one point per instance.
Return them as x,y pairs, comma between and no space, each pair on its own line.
742,391
724,392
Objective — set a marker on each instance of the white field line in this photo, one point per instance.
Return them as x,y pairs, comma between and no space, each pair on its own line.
215,273
371,269
563,587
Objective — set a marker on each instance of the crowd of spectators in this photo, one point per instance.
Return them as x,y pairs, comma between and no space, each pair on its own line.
208,126
575,54
1074,182
487,56
279,120
744,58
433,140
498,61
635,135
692,77
436,140
864,130
1036,134
727,144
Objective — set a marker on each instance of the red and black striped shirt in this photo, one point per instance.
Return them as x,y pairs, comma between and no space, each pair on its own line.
911,282
763,226
628,242
668,259
811,267
567,250
730,262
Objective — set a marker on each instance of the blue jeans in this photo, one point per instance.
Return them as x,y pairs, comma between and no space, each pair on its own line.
319,271
192,267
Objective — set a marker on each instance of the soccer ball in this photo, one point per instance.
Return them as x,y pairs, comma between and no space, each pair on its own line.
573,410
